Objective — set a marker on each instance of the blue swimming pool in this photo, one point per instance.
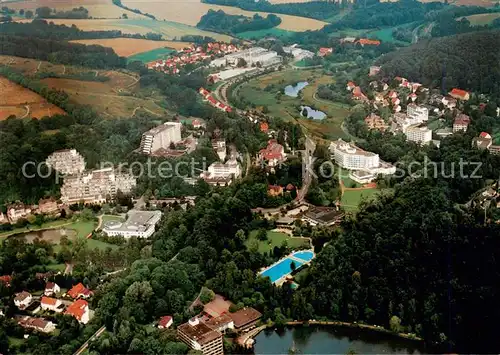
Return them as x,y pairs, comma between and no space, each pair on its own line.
277,271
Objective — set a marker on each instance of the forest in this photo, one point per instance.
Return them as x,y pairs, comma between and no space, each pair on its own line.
468,61
76,13
219,21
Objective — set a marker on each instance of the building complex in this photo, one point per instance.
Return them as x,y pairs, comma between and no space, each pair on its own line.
139,224
67,161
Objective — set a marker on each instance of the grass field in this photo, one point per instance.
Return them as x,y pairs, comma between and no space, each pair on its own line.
189,12
352,198
149,56
481,19
285,107
271,32
275,239
169,30
97,8
23,103
127,47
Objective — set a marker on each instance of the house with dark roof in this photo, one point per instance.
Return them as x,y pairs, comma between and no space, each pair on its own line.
23,300
51,288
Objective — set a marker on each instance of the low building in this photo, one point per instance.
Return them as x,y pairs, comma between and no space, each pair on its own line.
275,190
272,155
79,310
376,122
17,211
485,141
165,322
245,318
66,161
220,323
222,174
140,224
199,336
79,291
48,206
421,135
6,280
368,42
358,95
298,53
23,300
323,216
51,304
459,94
461,123
444,132
325,51
39,324
219,145
51,288
362,177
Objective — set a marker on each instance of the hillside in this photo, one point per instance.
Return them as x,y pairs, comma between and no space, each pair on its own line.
469,61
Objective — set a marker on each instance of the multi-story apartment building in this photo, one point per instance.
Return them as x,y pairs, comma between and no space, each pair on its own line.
348,156
421,135
95,186
199,336
161,137
67,161
417,114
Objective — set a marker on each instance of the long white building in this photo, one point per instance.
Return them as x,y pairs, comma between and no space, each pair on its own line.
348,156
417,114
161,137
139,224
95,186
421,135
251,56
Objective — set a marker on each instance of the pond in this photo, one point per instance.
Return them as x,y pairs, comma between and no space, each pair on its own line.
331,340
49,235
312,113
293,90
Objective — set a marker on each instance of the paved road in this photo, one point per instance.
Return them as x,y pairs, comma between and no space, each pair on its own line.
86,344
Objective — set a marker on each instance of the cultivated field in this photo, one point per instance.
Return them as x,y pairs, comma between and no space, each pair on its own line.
127,47
169,30
97,8
482,19
23,103
189,12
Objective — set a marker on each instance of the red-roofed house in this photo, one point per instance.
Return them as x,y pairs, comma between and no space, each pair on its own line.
368,42
165,322
6,280
51,304
350,86
274,190
204,92
485,135
357,94
461,123
264,127
459,94
395,101
51,288
273,154
79,291
324,51
392,94
80,310
412,97
196,124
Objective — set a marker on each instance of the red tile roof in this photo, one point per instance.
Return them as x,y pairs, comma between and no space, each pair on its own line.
275,188
366,41
459,92
264,127
6,279
49,301
164,321
485,135
77,309
79,290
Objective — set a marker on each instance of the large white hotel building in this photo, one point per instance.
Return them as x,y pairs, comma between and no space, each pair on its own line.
350,157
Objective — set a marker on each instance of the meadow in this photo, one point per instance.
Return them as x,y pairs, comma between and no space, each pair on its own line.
190,12
351,198
275,239
482,19
271,32
128,47
149,56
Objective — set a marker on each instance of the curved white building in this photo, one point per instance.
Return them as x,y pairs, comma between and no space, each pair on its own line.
348,156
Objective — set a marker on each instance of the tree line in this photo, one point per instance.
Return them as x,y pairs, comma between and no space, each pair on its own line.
219,21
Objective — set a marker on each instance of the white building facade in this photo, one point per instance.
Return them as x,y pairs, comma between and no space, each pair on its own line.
421,135
161,137
140,224
67,161
348,156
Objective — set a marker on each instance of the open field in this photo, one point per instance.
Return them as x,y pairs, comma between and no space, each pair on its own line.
97,8
482,19
271,32
126,47
149,56
23,103
275,239
263,91
169,30
352,198
189,12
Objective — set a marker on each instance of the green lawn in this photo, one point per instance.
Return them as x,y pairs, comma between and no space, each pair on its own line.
93,244
56,267
15,341
149,56
275,239
351,198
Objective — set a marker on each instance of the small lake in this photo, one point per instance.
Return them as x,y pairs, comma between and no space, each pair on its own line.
311,113
331,340
49,235
293,90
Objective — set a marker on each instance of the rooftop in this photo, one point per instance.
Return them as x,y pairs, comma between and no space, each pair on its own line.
163,127
136,221
244,316
349,148
217,307
201,333
323,214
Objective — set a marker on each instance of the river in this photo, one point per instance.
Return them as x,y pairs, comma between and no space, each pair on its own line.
332,340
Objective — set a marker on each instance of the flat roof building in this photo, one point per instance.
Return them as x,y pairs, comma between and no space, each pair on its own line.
348,156
66,161
199,336
139,224
161,137
245,318
324,216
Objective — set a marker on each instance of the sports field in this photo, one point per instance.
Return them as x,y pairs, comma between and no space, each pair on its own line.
169,30
190,12
127,47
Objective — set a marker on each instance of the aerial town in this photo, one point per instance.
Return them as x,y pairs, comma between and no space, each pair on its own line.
241,177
